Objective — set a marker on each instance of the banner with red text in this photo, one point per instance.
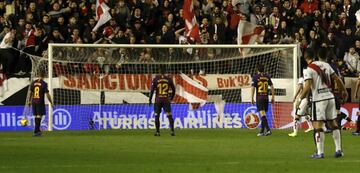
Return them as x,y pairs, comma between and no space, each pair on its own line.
142,82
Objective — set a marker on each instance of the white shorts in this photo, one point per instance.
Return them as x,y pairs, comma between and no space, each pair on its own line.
303,107
323,110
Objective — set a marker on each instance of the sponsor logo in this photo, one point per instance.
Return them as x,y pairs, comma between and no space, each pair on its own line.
251,118
61,119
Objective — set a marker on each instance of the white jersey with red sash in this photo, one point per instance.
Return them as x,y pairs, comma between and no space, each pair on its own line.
320,73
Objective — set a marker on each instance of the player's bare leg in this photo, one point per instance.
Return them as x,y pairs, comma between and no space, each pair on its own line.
319,139
171,123
310,126
265,129
157,124
37,131
357,132
295,126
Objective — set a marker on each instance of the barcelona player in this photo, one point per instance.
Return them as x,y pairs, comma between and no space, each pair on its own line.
164,89
38,90
261,83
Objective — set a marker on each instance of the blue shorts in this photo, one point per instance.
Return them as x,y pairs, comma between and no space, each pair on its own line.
162,105
38,109
262,104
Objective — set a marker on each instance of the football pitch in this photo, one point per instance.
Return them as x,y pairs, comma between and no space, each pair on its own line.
192,150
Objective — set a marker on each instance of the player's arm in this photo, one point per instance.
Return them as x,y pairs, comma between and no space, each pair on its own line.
31,94
253,87
49,99
152,89
30,98
305,91
172,88
272,91
340,84
252,94
297,92
272,94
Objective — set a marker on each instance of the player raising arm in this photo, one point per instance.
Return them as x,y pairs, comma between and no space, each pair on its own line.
260,83
318,80
161,85
38,90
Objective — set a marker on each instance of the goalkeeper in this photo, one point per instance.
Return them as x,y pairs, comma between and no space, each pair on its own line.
164,89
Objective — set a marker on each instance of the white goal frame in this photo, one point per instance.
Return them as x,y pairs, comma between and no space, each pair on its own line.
52,45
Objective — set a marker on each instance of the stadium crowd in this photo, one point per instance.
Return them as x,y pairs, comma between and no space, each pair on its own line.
30,25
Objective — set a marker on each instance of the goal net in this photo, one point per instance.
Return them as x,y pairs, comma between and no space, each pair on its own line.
107,86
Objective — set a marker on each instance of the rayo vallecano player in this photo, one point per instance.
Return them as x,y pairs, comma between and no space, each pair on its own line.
302,110
318,79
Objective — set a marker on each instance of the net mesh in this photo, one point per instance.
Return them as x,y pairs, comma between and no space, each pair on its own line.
102,88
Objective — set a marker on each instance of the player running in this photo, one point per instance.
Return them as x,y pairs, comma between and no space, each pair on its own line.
38,90
318,79
301,111
260,83
162,84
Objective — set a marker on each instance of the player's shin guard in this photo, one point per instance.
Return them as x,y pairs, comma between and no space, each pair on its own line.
171,122
337,139
309,123
157,123
37,123
319,139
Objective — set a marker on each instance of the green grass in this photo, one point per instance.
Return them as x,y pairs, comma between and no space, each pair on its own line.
192,150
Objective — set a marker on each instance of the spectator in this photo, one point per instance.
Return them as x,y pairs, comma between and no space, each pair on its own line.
287,12
309,6
62,27
312,23
89,36
352,61
57,11
6,55
345,41
122,14
139,32
314,41
46,24
357,46
41,41
331,42
56,36
167,36
274,19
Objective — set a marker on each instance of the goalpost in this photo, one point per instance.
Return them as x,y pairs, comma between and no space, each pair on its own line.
108,80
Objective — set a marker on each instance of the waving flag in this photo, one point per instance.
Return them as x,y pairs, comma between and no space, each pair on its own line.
102,14
191,26
249,33
190,91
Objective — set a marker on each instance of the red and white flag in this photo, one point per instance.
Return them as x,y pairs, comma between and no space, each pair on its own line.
249,33
190,91
102,14
191,26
